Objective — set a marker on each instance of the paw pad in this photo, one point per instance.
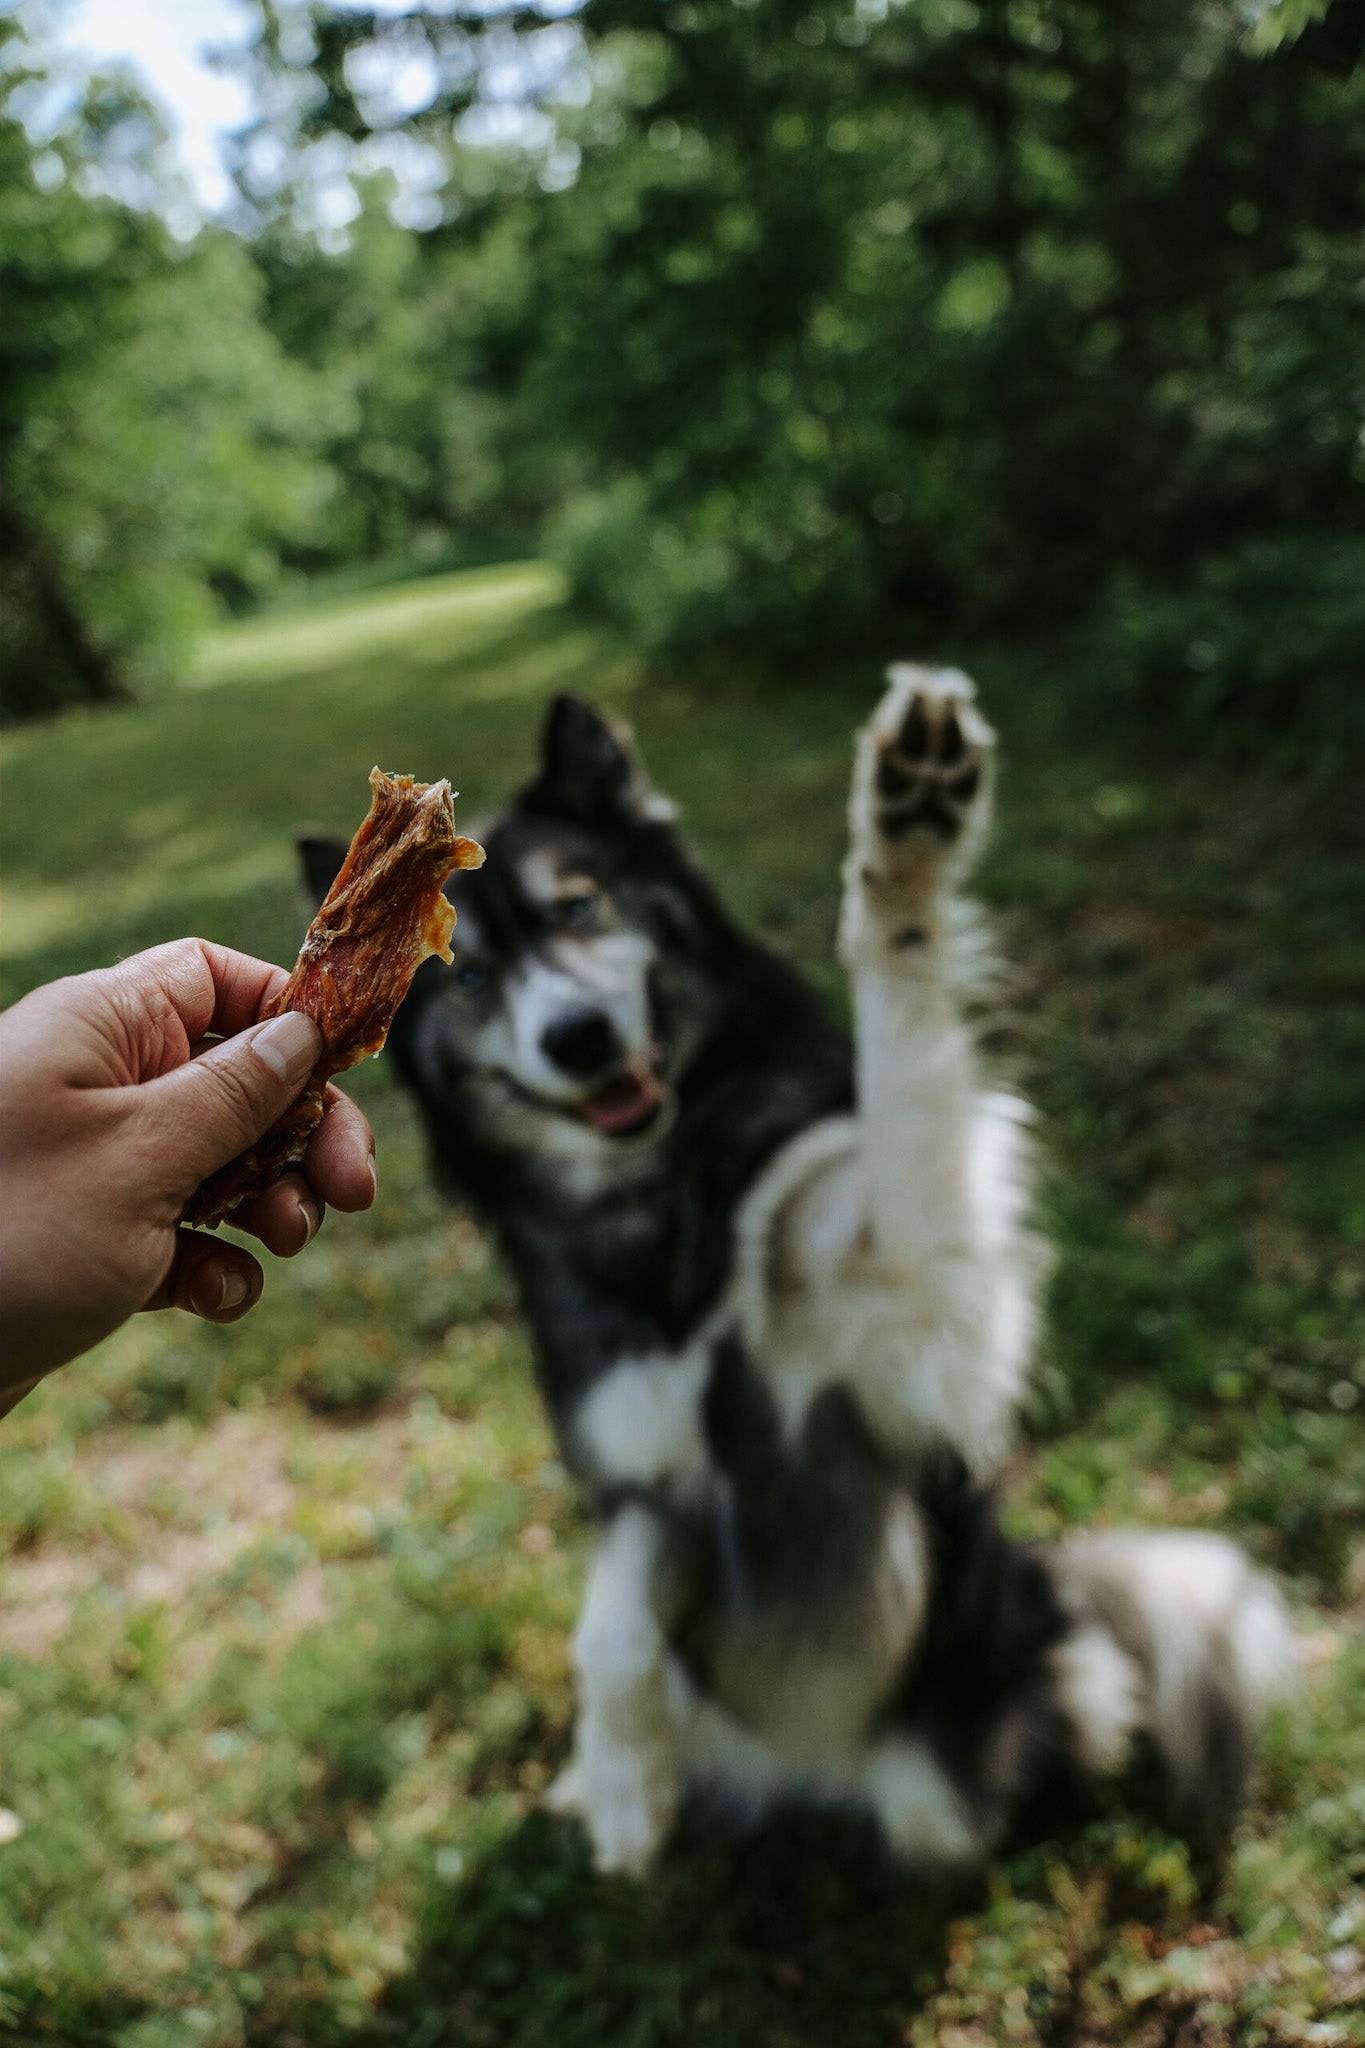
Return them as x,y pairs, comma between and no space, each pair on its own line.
928,773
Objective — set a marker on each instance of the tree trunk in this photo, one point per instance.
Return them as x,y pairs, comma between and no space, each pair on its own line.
90,663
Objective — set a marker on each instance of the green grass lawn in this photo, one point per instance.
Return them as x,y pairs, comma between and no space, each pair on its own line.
286,1606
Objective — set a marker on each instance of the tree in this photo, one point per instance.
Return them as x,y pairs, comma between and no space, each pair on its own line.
961,322
157,444
413,338
895,322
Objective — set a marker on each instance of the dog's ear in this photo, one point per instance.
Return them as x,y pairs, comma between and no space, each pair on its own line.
588,770
320,855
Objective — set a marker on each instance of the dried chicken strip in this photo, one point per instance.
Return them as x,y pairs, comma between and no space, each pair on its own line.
382,917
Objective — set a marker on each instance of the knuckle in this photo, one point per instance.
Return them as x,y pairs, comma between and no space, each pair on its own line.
243,1087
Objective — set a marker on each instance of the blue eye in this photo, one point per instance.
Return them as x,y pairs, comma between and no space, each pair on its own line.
577,910
472,977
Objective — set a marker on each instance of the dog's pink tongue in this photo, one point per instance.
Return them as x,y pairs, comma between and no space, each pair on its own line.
628,1100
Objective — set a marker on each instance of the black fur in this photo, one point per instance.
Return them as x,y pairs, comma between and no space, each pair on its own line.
806,1518
978,1686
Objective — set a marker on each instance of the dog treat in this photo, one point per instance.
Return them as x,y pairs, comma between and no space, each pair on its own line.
382,917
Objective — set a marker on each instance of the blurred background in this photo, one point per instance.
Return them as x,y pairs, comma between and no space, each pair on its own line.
786,331
368,374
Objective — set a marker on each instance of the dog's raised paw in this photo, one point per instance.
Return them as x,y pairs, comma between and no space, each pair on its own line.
929,767
920,808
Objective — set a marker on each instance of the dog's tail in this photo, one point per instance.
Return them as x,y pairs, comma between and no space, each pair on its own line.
1175,1638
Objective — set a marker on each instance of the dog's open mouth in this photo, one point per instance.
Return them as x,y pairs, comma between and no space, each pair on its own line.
627,1103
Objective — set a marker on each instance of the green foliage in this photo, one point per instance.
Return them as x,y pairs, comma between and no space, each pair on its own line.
156,441
1261,641
874,326
404,334
1275,21
284,1677
885,326
799,329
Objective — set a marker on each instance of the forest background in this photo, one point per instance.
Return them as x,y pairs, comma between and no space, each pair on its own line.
790,329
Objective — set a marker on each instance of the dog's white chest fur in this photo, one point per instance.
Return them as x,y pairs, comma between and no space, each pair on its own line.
933,1329
641,1423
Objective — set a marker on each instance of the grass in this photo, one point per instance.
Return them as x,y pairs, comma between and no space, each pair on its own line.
284,1639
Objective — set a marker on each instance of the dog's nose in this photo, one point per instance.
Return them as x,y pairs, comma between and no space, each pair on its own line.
582,1043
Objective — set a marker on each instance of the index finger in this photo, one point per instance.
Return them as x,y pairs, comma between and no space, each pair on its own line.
210,988
242,986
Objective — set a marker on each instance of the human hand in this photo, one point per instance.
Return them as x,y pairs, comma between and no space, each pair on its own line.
115,1103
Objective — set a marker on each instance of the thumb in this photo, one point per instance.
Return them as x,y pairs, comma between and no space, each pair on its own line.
215,1106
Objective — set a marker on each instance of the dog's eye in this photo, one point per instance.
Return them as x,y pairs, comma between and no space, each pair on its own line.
576,911
473,977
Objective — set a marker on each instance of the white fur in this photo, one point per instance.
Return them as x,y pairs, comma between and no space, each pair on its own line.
899,1781
936,1345
1185,1605
606,973
920,1810
583,1159
641,1422
1100,1688
898,1240
946,1293
626,1772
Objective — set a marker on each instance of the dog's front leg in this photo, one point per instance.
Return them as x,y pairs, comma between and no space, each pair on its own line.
941,1161
918,811
625,1775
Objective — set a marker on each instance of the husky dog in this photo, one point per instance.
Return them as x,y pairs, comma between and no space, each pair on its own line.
783,1292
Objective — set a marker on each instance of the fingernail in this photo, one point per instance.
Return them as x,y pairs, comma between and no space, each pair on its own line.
312,1221
233,1291
289,1045
217,1291
374,1177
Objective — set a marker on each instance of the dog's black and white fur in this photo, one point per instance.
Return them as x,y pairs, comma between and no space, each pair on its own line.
783,1294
